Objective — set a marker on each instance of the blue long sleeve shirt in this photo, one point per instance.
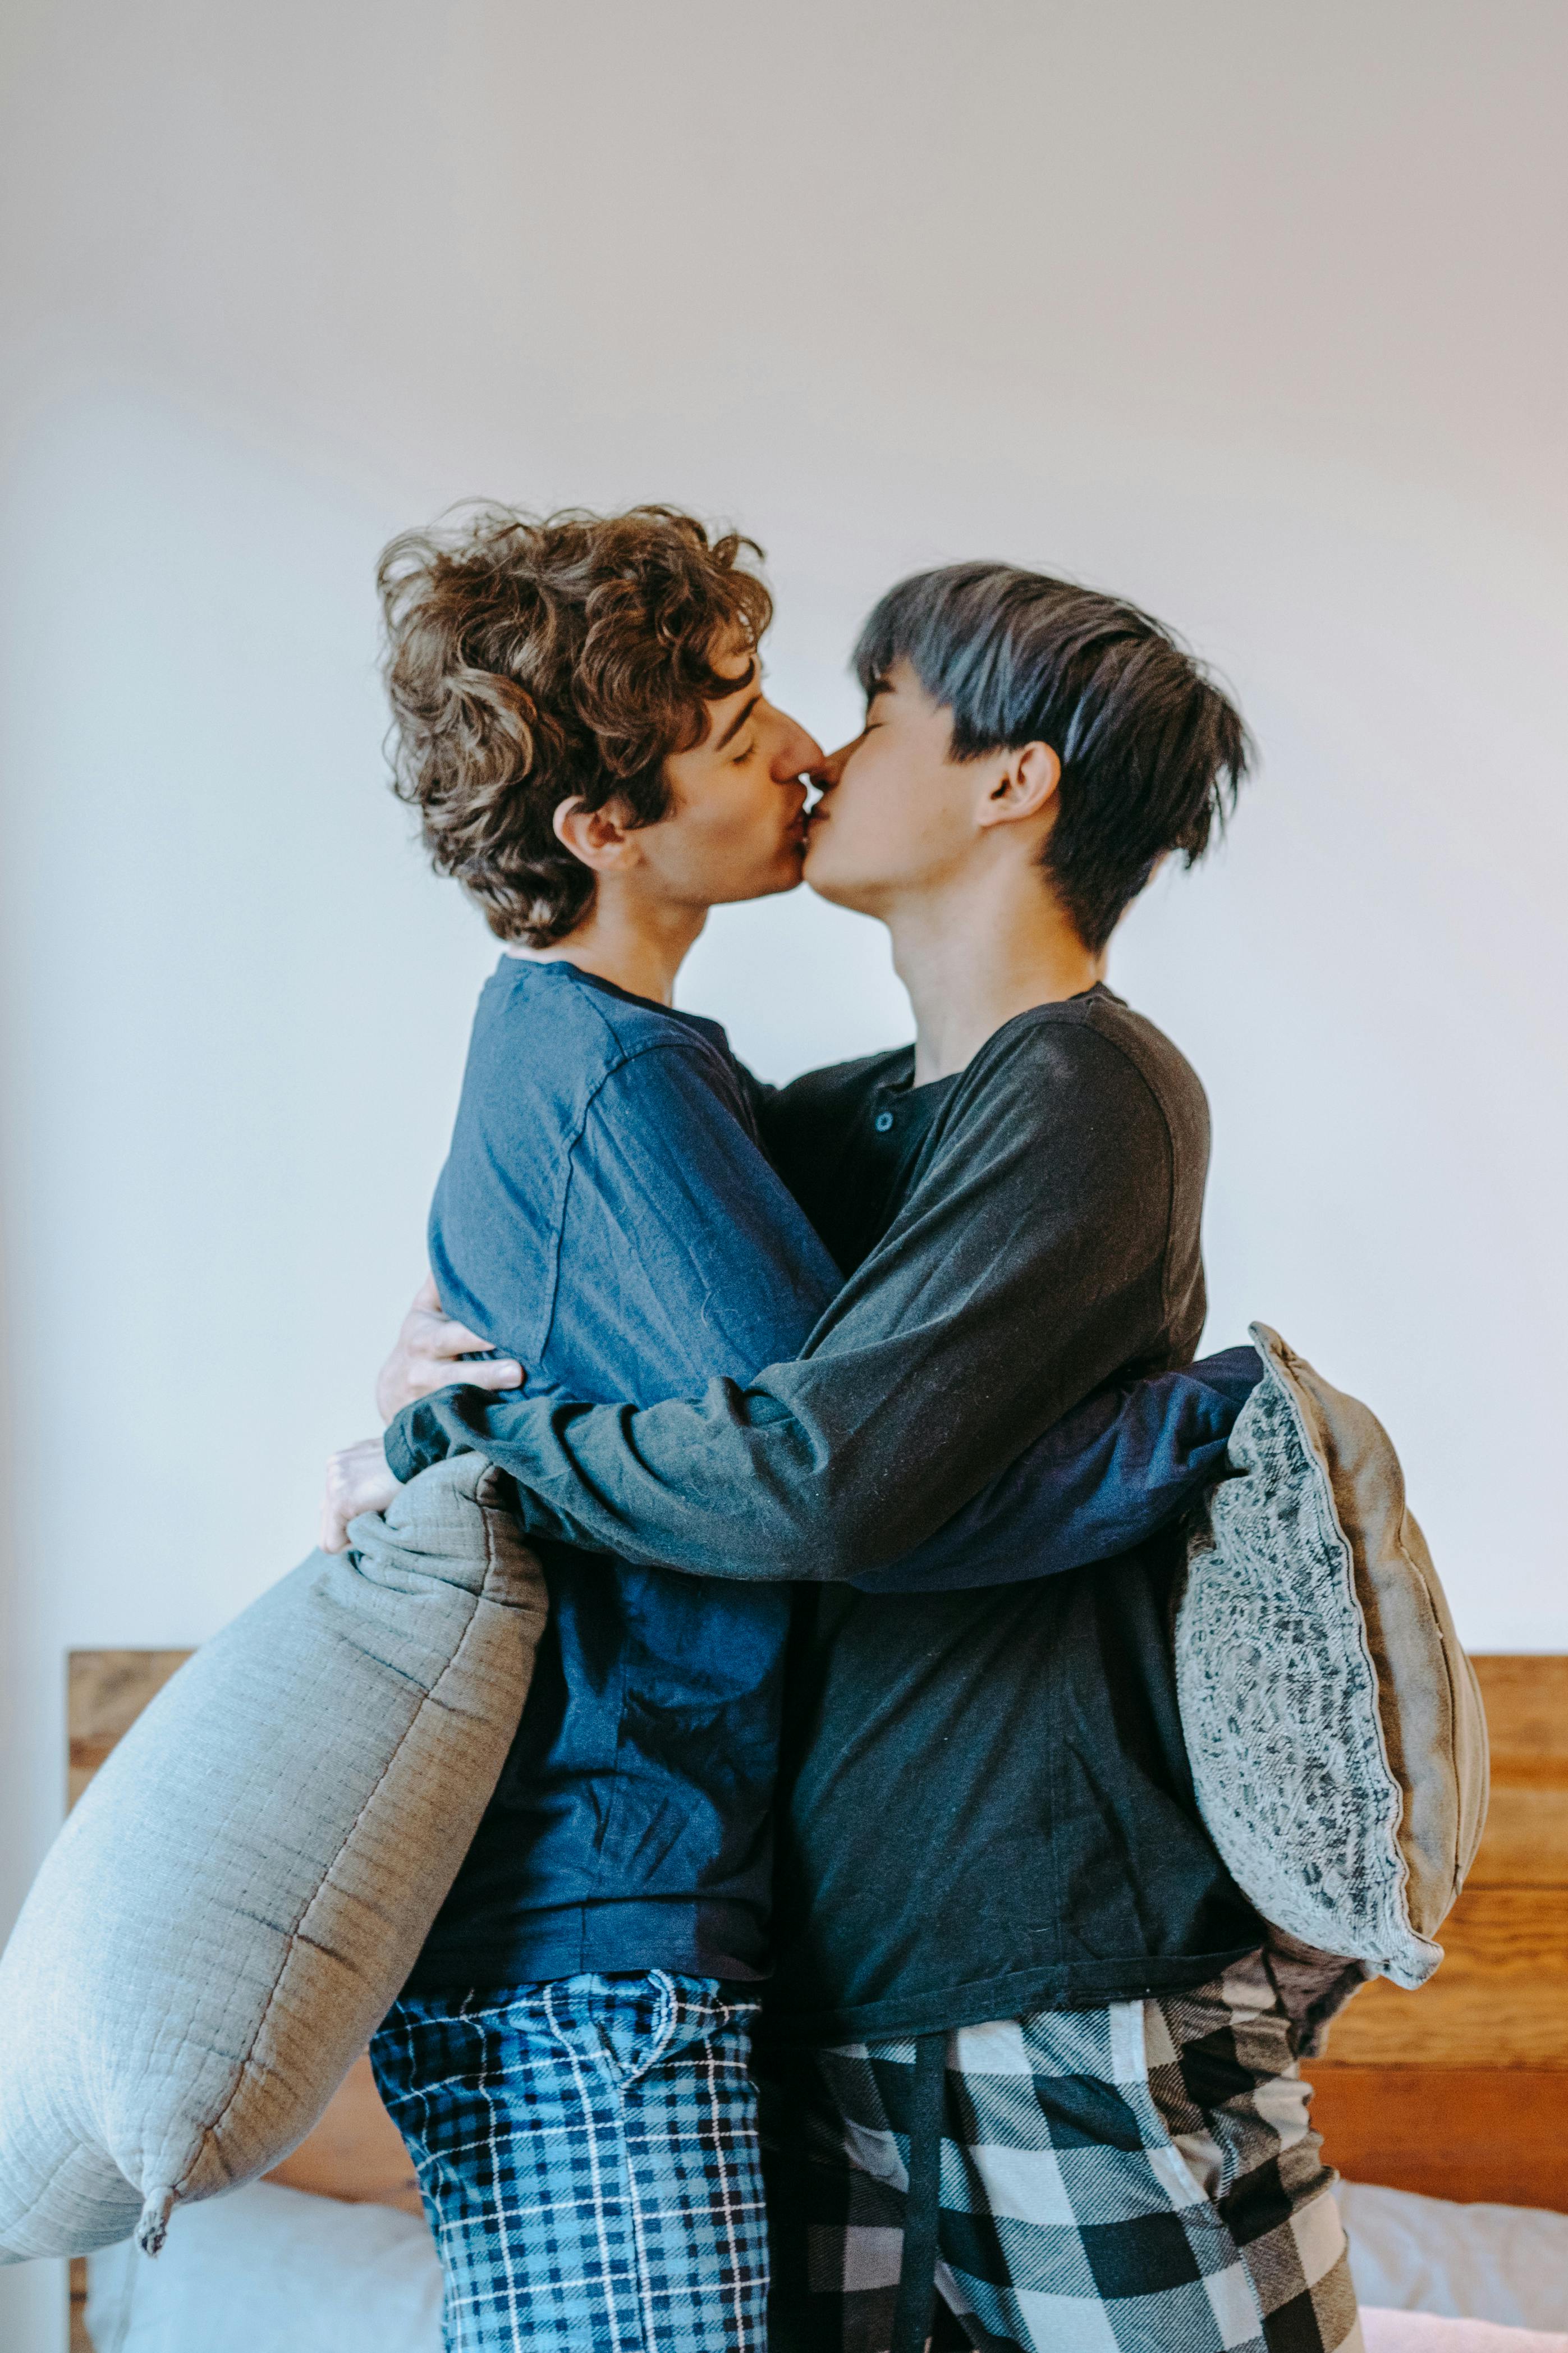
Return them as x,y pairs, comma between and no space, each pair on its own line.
607,1216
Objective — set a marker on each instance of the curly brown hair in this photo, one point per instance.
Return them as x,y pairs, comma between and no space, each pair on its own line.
533,660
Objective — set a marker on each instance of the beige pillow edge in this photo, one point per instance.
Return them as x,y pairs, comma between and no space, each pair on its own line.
1429,1896
1471,1736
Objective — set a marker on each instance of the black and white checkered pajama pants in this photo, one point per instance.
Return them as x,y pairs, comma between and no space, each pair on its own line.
1141,2179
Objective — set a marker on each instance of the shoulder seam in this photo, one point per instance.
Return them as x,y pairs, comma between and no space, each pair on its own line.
600,1005
699,1047
695,1045
1083,1019
1117,1045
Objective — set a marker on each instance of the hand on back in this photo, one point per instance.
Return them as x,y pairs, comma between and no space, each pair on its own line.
434,1352
431,1353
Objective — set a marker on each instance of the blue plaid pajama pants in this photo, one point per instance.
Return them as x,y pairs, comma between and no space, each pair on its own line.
1141,2179
588,2152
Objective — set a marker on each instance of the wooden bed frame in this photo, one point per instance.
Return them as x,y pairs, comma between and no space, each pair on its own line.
1459,2091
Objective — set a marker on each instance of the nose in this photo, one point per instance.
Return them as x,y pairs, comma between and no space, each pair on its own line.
829,767
795,753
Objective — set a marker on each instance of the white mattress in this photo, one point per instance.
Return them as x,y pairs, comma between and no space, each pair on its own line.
1502,2264
1427,2332
271,2271
290,2274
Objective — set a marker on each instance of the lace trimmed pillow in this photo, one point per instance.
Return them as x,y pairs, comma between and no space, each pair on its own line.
1333,1722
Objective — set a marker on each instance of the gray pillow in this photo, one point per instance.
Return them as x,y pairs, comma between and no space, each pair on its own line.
238,1896
1334,1724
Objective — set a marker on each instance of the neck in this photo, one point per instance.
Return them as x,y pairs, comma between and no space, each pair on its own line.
976,949
640,947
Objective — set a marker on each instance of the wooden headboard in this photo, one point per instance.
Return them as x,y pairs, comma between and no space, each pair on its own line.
1459,2091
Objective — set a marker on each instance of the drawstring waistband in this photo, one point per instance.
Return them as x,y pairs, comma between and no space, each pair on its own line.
917,2271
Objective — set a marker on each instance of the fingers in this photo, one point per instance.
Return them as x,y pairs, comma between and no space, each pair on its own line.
406,1377
421,1377
358,1480
427,1299
334,1529
501,1374
454,1340
337,1508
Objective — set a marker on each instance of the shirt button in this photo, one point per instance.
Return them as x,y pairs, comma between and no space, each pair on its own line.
883,1122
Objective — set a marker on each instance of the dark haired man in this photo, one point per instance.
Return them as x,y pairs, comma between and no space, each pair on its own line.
1025,2036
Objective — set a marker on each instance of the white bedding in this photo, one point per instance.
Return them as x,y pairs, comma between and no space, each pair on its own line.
267,2270
1427,2332
290,2274
1505,2264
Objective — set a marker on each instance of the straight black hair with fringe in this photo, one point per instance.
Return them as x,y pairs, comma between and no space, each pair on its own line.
1152,751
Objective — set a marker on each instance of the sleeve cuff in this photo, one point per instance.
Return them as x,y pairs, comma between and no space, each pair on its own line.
402,1459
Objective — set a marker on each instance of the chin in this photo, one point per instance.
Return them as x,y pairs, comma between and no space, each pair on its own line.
782,875
820,877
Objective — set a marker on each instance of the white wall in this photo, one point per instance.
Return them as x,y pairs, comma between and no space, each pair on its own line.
1252,312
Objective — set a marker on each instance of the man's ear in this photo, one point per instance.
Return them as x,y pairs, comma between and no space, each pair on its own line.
600,837
1024,787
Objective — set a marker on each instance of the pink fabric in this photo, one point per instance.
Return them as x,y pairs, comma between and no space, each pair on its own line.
1425,2332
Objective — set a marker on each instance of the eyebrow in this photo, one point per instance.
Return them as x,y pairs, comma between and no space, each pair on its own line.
738,722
